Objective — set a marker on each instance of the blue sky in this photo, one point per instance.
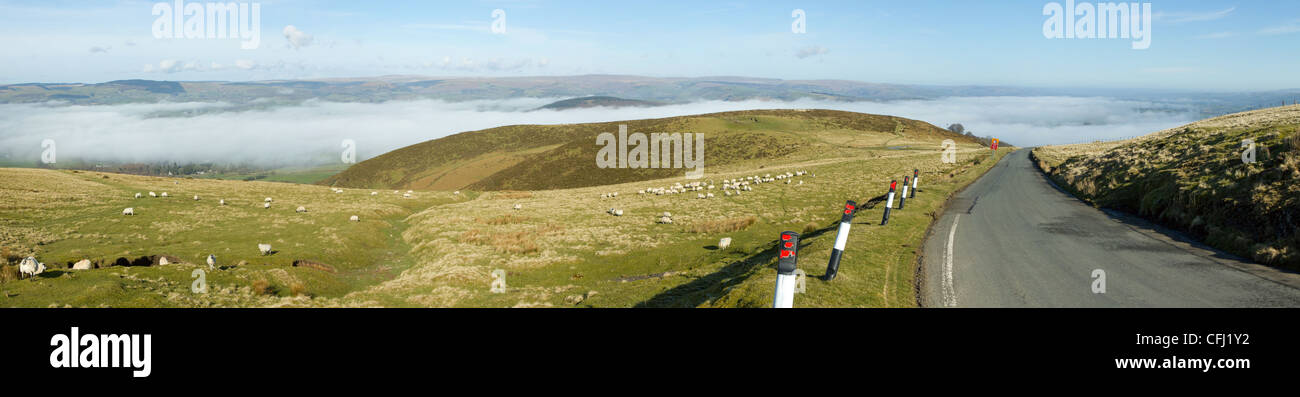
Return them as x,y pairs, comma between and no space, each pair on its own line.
1196,45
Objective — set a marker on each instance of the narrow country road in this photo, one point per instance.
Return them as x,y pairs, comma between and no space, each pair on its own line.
1012,239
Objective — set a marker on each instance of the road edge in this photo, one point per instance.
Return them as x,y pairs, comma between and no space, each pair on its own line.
919,272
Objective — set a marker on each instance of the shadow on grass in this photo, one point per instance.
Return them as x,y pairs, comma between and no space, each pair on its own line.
706,288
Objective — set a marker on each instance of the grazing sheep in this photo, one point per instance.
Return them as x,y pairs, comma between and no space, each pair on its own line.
518,207
374,193
301,209
83,264
222,202
667,214
164,194
710,195
138,195
407,195
152,194
665,220
268,199
355,218
212,261
727,193
724,243
618,212
456,192
266,205
196,197
264,248
129,211
410,191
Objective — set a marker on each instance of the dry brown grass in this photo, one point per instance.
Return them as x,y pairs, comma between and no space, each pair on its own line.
298,289
262,287
8,273
514,195
809,227
508,219
722,225
523,242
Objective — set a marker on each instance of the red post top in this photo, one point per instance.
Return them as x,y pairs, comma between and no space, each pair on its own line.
892,185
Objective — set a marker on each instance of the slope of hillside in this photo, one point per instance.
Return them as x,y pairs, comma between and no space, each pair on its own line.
1193,178
597,101
534,157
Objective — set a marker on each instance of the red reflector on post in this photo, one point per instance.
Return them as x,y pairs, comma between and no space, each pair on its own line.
787,253
789,245
785,236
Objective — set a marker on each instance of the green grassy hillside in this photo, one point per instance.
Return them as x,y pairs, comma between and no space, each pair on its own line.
440,249
533,157
1192,178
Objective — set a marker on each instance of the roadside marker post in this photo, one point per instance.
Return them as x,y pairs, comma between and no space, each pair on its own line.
889,203
788,250
841,238
902,200
916,176
995,144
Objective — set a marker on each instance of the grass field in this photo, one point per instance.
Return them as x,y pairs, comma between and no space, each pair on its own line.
439,249
1192,178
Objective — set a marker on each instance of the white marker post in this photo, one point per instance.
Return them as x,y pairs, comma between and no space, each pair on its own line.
788,249
889,203
916,176
903,198
841,238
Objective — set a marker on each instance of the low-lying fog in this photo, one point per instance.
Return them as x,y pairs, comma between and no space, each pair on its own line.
313,131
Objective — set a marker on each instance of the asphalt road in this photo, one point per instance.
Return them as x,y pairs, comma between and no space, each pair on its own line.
1012,239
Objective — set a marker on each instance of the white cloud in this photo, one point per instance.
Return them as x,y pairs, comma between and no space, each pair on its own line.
810,51
313,130
297,38
245,64
1203,16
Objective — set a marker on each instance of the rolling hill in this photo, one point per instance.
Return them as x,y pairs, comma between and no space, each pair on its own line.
597,101
1193,178
538,157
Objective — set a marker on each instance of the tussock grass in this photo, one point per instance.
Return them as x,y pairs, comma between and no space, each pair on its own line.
508,219
722,225
8,273
262,287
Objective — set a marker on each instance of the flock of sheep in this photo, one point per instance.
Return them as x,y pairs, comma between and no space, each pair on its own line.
30,266
730,187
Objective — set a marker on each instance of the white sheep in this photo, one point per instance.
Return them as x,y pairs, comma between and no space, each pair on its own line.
355,218
129,211
164,194
724,243
456,192
407,195
212,261
301,209
196,197
374,193
222,202
268,199
710,195
266,205
30,267
519,207
618,212
152,194
138,195
264,248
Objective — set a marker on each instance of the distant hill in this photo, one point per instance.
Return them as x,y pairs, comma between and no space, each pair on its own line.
540,157
597,101
1193,178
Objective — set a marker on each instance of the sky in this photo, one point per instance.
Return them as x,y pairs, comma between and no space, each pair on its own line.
1195,45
